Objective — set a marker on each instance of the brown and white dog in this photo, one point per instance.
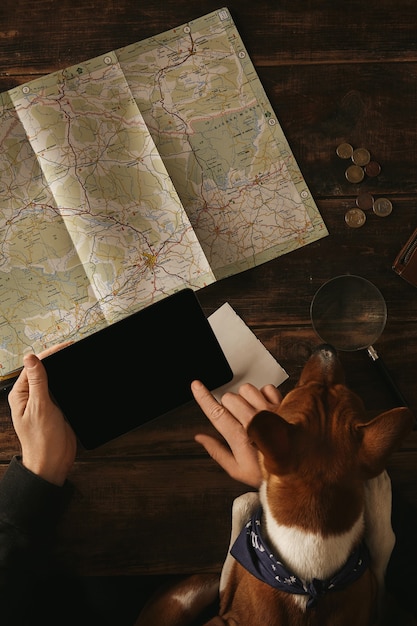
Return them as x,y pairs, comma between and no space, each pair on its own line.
312,547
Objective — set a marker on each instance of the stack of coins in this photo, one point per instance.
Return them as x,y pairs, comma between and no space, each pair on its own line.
362,164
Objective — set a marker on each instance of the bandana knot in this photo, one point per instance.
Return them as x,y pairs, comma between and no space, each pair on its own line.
253,553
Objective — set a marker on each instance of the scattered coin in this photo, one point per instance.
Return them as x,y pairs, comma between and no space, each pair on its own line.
382,207
354,174
365,200
372,168
362,164
344,151
355,218
361,156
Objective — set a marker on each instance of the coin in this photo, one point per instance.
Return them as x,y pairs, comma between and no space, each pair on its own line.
344,151
365,200
355,218
382,207
361,156
354,174
372,168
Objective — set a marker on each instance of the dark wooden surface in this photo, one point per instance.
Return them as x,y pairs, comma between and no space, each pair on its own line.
152,502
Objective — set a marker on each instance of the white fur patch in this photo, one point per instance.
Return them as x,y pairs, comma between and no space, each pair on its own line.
199,594
309,555
242,510
185,599
380,537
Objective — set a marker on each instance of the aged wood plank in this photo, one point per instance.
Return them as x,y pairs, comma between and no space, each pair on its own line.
142,516
288,32
146,515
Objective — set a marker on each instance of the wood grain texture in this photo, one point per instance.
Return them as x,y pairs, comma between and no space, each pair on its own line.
334,72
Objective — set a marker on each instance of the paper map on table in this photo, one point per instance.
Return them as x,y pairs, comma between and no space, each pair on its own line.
151,168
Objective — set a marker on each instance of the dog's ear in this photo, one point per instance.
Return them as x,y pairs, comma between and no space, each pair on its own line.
274,437
381,436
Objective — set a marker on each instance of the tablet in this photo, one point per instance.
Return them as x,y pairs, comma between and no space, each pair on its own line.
139,368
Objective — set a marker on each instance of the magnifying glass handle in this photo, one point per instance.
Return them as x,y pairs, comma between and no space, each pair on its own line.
383,370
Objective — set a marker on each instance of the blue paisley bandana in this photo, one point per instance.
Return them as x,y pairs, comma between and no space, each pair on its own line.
251,551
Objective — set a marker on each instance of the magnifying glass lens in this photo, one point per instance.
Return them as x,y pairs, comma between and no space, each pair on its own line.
348,312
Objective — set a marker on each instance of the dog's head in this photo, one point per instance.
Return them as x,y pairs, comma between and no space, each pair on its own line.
322,438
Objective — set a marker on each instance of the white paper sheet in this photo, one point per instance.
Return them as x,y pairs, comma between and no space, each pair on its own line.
247,356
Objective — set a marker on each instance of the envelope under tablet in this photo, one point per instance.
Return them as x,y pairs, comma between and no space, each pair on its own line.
136,369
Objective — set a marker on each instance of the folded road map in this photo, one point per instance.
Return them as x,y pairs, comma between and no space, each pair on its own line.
148,169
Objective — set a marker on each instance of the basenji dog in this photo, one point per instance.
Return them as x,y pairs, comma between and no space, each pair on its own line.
311,548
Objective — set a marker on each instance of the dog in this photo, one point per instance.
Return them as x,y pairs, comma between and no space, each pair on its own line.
311,548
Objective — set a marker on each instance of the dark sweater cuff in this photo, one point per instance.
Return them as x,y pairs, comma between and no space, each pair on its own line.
29,502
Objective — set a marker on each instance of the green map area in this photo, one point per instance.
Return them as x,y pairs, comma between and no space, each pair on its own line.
125,178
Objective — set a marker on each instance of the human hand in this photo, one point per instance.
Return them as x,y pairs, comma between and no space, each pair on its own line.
48,443
231,418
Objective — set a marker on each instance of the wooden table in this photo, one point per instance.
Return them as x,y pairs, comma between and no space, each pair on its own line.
152,501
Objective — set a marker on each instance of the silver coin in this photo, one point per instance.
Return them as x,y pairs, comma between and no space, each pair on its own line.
382,207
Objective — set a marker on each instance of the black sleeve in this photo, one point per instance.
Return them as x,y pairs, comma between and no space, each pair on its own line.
37,586
30,508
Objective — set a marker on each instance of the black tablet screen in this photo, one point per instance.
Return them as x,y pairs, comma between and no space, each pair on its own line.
136,369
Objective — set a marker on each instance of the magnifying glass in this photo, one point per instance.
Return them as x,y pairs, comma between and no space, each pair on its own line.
350,313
